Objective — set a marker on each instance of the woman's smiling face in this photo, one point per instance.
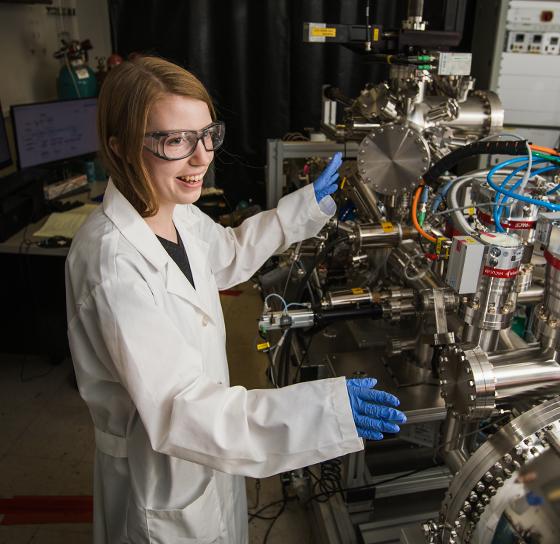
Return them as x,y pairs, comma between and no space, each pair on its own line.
178,181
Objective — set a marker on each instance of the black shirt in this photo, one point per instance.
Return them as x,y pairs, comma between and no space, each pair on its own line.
178,253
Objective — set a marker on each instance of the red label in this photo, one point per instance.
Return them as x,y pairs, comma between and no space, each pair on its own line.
452,231
511,224
552,260
500,272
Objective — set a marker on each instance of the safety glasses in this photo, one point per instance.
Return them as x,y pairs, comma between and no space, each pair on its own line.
173,145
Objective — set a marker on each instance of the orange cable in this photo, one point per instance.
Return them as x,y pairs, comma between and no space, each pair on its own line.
415,219
543,149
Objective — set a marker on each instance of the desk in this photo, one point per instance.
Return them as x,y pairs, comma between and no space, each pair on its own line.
15,245
32,297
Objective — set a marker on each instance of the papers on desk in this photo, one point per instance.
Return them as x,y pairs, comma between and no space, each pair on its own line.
65,223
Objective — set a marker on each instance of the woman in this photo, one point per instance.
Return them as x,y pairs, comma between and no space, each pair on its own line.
146,330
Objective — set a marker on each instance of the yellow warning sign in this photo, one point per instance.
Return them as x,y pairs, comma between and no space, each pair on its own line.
323,32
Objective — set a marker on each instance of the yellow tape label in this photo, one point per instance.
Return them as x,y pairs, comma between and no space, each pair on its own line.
263,346
387,226
357,291
375,34
439,246
323,32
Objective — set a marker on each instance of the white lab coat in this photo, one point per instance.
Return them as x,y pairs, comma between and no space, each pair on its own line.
173,439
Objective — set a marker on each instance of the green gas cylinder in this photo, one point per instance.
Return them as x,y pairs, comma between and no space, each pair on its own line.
76,81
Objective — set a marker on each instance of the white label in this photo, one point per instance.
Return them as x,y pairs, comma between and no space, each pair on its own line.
454,64
82,73
314,36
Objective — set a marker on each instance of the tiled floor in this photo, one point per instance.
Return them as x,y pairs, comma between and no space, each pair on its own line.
46,438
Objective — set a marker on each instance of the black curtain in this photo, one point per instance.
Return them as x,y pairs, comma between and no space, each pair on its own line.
249,53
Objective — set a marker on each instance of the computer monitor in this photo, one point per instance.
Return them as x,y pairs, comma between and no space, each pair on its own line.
50,132
5,157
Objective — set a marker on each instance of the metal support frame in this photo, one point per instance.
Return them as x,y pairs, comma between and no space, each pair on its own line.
277,151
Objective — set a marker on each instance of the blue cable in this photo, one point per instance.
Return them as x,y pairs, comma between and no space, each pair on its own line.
536,173
440,195
499,205
554,189
497,211
523,198
515,186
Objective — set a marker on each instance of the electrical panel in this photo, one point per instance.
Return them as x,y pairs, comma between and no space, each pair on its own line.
528,75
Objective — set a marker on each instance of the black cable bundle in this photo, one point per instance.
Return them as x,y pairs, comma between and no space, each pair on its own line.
489,147
330,481
329,245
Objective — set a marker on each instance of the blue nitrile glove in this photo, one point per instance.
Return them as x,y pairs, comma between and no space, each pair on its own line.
326,183
373,411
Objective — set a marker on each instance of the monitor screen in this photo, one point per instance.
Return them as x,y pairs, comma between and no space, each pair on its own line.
53,131
5,157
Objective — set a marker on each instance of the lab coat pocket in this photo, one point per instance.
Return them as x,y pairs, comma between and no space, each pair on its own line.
200,521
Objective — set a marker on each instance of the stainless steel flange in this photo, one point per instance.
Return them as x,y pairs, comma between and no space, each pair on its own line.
392,158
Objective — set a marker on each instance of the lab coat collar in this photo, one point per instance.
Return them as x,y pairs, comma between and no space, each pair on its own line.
135,229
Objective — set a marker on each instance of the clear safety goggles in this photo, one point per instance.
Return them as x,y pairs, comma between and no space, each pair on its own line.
173,145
